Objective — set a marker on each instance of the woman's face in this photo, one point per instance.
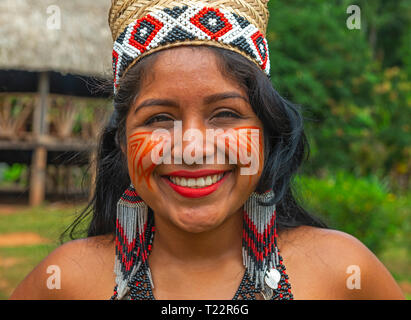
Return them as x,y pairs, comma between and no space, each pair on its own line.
194,144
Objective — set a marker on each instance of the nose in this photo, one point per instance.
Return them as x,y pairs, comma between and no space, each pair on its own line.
191,145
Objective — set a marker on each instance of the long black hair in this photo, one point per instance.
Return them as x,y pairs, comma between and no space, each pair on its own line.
286,145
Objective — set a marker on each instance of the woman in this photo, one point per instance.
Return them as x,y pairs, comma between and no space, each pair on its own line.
169,218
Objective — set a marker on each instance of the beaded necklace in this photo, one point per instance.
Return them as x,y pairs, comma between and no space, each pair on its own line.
140,283
141,287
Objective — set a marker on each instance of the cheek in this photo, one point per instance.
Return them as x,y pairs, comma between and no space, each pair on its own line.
250,152
139,149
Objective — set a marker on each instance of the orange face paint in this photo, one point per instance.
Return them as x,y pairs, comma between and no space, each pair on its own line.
139,146
242,143
247,146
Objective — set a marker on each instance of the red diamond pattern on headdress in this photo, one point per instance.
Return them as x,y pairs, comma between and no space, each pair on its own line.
115,62
144,31
180,24
261,46
212,21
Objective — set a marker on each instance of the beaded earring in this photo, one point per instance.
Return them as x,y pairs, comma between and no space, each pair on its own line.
260,250
134,227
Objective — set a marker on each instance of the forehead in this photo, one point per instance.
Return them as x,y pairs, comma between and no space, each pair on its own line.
187,67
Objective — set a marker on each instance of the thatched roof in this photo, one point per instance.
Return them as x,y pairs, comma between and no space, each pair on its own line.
82,45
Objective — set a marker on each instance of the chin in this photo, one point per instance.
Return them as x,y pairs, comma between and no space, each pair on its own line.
197,221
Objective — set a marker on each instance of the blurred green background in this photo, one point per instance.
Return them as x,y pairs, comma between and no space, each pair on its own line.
354,88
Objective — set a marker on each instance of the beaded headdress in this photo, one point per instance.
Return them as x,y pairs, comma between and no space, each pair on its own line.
141,27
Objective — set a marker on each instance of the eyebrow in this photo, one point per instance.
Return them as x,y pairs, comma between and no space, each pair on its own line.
207,100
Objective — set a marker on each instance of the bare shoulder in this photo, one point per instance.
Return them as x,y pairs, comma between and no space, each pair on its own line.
78,269
330,264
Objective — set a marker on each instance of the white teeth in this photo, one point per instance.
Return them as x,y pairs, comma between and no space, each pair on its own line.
191,182
183,182
200,182
196,183
214,178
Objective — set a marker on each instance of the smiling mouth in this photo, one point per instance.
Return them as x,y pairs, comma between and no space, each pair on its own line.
196,183
190,186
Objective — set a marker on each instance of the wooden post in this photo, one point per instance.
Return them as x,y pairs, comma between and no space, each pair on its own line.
39,158
38,176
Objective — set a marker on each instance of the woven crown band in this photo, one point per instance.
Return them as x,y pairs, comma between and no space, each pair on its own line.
194,23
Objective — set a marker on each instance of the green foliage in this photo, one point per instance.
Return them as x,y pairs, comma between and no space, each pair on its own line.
354,85
14,172
361,206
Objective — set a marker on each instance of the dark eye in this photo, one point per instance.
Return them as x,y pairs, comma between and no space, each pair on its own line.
229,114
158,118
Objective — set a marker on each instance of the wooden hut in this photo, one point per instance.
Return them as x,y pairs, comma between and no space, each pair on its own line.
52,54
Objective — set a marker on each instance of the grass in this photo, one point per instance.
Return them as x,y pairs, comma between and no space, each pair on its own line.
49,221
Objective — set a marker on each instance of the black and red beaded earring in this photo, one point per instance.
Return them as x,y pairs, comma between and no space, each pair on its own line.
260,251
134,236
